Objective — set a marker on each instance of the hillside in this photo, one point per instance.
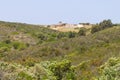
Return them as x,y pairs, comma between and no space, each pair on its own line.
34,52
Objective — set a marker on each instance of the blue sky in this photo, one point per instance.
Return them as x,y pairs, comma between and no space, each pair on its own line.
53,11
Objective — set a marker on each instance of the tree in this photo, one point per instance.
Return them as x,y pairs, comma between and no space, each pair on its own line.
105,24
101,26
82,32
95,28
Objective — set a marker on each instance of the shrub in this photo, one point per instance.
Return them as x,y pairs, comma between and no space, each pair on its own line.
19,46
110,70
105,24
24,76
7,41
95,28
71,34
60,35
82,32
102,25
42,37
60,69
4,49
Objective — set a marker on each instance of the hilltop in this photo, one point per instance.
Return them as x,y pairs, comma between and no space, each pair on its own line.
65,27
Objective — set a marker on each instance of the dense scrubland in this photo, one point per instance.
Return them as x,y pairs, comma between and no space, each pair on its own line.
35,52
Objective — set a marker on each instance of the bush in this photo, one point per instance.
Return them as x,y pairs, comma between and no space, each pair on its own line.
82,32
19,46
95,28
71,34
60,35
7,41
42,37
62,70
101,26
105,24
24,76
4,49
110,70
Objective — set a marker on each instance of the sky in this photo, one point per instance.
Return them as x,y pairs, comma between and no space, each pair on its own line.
53,11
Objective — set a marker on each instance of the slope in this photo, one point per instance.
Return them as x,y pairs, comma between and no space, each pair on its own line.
86,53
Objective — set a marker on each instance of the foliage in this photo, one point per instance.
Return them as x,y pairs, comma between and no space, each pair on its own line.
4,46
95,28
24,76
42,37
19,46
46,60
71,34
41,71
61,35
61,69
82,32
110,70
105,24
101,26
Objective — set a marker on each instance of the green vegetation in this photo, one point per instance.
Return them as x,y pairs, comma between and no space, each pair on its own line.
8,45
71,34
102,25
82,32
34,52
44,70
110,70
62,70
